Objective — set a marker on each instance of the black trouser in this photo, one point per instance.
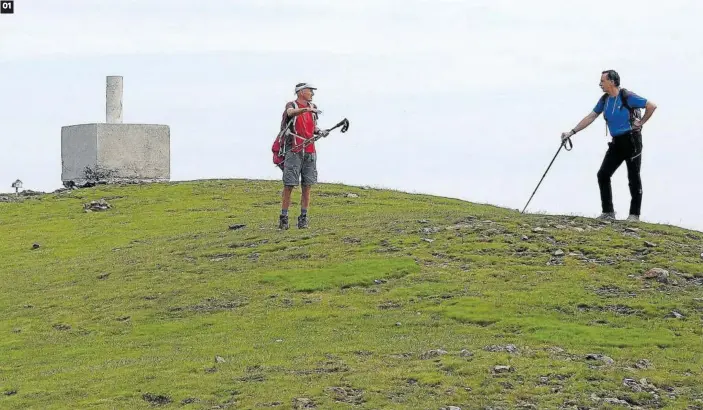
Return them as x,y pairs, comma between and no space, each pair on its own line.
626,147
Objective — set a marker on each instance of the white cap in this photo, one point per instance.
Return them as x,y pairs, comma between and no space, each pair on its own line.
302,86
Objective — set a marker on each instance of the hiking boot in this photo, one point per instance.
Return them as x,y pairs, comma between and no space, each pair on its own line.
607,216
283,222
303,221
633,218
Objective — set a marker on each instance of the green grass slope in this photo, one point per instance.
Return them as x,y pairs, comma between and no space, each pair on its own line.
389,300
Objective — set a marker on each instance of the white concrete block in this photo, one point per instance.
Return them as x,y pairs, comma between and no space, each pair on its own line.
114,153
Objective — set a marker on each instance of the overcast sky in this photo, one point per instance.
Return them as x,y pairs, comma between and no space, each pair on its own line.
436,91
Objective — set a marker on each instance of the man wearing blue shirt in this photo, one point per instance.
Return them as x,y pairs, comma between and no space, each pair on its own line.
625,126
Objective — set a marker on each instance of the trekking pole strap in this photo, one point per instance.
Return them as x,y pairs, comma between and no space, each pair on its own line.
570,143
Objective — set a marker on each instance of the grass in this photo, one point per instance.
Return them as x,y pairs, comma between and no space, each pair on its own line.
388,300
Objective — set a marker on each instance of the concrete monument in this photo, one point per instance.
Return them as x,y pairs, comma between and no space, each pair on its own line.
114,152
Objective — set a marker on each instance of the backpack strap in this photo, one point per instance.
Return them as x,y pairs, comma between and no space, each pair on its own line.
634,112
624,93
603,99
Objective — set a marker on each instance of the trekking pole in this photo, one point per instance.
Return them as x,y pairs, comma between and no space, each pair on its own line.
345,127
563,145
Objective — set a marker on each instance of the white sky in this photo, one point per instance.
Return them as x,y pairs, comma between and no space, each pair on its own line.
434,90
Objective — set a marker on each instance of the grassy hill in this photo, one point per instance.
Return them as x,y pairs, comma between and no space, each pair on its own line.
388,300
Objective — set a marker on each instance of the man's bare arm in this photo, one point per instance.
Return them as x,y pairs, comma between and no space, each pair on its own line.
648,111
292,112
585,122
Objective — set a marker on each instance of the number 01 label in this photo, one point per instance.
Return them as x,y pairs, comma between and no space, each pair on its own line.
7,6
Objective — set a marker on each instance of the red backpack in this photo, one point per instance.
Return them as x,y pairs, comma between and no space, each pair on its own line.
282,139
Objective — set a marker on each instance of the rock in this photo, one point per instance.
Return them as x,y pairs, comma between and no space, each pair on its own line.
537,230
633,385
502,369
525,238
35,246
615,401
237,226
103,276
497,348
577,229
398,324
555,350
190,400
428,231
650,244
643,364
156,399
430,354
351,195
657,273
428,240
605,359
676,315
465,353
558,252
96,206
303,403
560,227
701,255
423,221
219,359
632,230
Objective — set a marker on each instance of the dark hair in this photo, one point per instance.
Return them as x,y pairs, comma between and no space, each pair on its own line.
613,76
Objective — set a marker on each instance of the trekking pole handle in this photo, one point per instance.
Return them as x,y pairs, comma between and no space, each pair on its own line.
571,144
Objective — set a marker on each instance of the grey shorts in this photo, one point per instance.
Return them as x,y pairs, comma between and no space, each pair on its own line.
300,167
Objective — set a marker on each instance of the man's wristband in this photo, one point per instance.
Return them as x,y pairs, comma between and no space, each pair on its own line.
573,132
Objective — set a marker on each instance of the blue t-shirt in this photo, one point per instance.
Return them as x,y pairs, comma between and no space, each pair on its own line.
616,115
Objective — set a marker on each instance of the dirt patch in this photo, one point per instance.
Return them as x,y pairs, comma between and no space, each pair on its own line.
212,305
612,291
328,367
221,257
156,399
617,309
298,256
252,378
347,395
389,305
248,244
303,403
